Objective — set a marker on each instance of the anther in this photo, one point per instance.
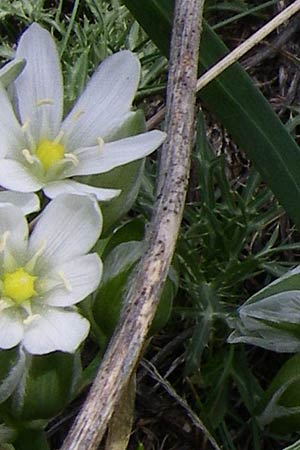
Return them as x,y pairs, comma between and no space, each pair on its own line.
77,115
72,158
25,125
100,144
28,156
66,282
26,130
44,101
4,304
31,318
3,240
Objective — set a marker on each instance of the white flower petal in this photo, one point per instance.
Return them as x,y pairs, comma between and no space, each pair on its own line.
73,281
27,202
68,227
56,188
92,160
12,139
11,328
13,221
17,177
107,97
54,330
39,87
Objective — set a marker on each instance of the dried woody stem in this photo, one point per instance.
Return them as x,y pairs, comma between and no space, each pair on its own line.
124,350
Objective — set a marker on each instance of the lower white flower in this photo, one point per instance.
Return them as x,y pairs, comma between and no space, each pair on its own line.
42,276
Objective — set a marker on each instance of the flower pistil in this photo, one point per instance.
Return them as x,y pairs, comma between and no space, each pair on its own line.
18,285
49,152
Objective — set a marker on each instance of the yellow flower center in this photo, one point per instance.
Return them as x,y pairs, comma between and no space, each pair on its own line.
18,285
49,152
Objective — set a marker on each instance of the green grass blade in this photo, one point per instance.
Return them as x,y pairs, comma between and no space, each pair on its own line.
239,105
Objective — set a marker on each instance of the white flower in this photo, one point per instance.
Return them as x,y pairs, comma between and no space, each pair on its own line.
27,202
42,151
42,276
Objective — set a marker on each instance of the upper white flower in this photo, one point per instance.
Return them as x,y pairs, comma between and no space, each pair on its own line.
42,276
40,150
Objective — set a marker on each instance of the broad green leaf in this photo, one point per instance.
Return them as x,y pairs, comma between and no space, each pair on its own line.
132,230
12,368
294,446
290,281
31,439
280,405
46,387
155,17
238,104
270,319
7,434
118,266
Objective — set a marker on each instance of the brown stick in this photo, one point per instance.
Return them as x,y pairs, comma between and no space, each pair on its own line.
141,301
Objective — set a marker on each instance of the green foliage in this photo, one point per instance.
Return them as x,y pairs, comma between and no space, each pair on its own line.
215,251
45,387
280,405
294,446
229,236
31,439
119,262
12,365
239,106
235,10
270,318
86,33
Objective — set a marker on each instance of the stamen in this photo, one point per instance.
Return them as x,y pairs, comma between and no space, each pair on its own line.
3,240
26,130
72,158
77,115
59,137
31,318
31,263
28,156
4,304
44,101
8,262
100,144
24,126
66,282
